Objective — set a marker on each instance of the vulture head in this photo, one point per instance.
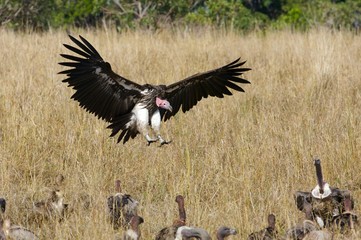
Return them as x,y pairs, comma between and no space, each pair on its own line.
224,232
121,207
163,104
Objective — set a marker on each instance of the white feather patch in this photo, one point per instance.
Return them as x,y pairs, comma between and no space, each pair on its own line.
131,234
132,121
142,116
326,191
144,92
155,120
320,222
178,235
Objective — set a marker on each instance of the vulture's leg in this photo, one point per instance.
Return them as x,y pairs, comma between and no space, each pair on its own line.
142,116
155,123
162,141
150,140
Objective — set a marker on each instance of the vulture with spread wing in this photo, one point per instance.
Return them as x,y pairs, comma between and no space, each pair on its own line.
131,108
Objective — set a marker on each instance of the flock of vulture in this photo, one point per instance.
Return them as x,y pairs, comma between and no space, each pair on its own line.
133,109
327,212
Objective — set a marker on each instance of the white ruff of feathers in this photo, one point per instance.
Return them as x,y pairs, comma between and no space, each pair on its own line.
326,191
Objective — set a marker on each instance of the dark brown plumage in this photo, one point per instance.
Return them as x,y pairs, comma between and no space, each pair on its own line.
268,233
121,207
130,107
50,208
348,219
133,233
169,233
181,209
2,205
305,226
326,201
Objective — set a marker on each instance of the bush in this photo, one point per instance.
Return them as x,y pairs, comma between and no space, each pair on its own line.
242,15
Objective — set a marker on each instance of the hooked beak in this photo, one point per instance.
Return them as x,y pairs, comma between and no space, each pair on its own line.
163,104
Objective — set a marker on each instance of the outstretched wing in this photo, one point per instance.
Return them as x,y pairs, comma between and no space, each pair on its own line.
98,89
214,83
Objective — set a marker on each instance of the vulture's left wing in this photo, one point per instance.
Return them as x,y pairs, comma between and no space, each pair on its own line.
214,83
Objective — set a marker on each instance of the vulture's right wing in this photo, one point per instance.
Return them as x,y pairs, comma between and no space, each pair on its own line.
98,89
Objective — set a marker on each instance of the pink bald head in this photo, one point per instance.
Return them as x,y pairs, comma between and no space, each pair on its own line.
163,104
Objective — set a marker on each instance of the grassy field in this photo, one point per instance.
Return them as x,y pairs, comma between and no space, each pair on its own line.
235,160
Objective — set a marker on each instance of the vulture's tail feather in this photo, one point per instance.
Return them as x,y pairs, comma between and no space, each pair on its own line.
127,123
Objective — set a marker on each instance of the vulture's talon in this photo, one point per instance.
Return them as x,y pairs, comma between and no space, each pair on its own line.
150,141
164,142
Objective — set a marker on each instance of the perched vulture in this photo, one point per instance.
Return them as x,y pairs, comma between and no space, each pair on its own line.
306,226
170,233
223,232
131,108
267,233
185,232
9,231
51,207
312,231
326,201
347,220
17,232
133,233
121,207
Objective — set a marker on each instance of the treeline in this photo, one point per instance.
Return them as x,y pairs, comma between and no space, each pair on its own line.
243,15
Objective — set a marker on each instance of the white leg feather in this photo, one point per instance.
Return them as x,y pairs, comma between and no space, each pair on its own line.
142,116
155,122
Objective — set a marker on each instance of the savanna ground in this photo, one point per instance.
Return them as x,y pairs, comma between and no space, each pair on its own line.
235,160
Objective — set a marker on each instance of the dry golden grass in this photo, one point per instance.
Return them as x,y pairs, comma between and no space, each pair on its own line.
235,160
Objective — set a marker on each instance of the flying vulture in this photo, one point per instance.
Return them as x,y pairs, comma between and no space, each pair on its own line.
131,108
